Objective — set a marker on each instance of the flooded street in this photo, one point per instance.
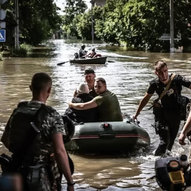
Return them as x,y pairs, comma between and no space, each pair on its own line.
127,74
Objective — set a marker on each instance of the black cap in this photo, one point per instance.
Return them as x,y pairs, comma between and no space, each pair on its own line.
89,71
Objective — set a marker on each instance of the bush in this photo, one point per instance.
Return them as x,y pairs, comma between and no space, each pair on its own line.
23,51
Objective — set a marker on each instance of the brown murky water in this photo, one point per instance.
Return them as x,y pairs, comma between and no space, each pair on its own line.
127,75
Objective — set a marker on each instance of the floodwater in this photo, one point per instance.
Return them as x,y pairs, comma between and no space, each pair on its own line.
127,74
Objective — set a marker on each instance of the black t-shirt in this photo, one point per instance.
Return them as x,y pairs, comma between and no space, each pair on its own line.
93,93
169,100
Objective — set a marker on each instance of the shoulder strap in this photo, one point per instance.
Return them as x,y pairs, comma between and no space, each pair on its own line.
167,87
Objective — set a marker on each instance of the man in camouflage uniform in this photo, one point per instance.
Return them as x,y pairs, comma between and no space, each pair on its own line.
47,147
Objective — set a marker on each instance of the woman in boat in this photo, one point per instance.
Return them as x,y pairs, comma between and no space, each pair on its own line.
93,54
82,96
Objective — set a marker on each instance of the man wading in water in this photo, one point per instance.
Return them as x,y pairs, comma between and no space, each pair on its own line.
168,114
40,155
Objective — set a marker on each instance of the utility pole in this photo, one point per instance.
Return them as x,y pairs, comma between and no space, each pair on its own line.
172,26
92,18
17,27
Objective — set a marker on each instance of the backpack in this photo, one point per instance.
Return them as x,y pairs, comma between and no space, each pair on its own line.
19,135
21,128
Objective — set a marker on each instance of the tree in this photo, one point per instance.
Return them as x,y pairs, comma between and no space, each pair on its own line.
140,23
110,27
38,20
73,9
84,23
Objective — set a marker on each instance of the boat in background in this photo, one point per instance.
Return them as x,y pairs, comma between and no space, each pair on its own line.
98,60
108,137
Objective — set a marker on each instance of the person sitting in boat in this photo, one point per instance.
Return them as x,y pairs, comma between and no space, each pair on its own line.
82,52
89,75
106,102
93,54
82,96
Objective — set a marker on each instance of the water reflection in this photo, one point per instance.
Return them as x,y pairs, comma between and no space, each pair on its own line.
127,74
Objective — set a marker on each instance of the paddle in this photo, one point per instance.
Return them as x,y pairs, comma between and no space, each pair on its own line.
59,64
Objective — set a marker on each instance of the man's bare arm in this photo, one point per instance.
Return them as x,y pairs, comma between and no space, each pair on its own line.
83,106
142,104
62,158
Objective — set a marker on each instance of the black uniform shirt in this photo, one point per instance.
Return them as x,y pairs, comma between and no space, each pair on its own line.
169,100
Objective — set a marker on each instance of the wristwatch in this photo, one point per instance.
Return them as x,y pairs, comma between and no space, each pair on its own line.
71,183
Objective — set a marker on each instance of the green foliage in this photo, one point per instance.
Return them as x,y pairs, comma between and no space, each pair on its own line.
140,23
83,26
38,21
137,23
27,47
73,10
84,23
22,51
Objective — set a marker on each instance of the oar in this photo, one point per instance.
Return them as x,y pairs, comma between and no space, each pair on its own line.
59,64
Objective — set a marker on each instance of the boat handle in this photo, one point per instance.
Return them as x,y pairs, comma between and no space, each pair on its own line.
106,126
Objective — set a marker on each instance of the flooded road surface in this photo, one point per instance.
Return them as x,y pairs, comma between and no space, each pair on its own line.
127,75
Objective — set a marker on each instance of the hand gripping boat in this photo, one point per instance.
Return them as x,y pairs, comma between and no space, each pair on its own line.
117,136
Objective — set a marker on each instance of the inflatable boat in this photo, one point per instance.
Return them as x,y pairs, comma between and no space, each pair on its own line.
119,136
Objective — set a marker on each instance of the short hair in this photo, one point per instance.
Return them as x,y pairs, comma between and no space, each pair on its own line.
89,71
40,81
102,80
159,64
